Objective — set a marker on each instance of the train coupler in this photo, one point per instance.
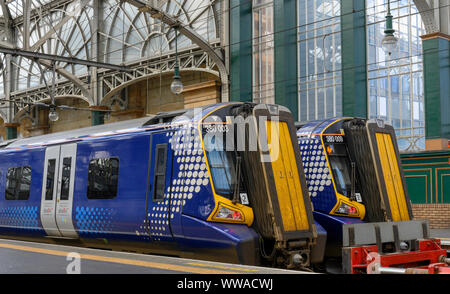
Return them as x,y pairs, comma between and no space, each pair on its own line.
298,259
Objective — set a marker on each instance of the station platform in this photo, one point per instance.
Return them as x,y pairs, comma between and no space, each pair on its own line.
444,235
21,257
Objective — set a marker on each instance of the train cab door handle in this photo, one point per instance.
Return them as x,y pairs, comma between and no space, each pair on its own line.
281,174
290,174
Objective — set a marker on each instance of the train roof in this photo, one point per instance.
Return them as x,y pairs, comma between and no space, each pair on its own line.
160,120
77,134
315,127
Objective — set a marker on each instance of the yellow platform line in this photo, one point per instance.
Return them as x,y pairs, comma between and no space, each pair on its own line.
221,267
142,263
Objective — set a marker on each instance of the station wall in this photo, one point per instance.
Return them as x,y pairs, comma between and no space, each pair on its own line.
143,97
427,176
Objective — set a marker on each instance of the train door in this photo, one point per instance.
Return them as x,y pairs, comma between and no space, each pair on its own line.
49,188
160,178
57,194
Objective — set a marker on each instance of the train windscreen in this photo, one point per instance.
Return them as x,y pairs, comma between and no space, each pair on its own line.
222,166
340,167
344,173
223,160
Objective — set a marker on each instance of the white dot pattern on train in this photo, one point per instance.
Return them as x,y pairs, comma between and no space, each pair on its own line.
189,176
315,166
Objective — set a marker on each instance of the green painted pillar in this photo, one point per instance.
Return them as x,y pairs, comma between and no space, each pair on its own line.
241,78
285,39
98,117
11,131
354,59
436,67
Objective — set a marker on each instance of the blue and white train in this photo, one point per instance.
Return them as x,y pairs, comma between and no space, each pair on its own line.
163,185
354,176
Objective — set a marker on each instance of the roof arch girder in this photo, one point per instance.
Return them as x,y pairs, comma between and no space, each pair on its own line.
108,96
71,77
3,116
50,34
435,15
22,111
215,54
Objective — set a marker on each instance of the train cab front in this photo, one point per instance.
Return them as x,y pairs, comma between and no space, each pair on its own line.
353,174
257,180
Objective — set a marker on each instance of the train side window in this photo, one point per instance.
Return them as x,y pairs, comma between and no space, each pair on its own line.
65,179
160,172
103,178
50,185
18,181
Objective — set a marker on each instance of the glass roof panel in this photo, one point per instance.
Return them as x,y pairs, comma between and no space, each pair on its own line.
16,6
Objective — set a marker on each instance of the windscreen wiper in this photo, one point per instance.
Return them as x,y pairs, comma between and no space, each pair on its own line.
238,180
352,191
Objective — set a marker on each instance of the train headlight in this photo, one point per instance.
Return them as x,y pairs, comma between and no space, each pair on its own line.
346,209
227,214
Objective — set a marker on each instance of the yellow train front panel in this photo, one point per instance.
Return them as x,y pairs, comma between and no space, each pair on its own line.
287,180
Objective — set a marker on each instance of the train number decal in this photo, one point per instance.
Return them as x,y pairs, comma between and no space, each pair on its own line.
216,128
334,139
